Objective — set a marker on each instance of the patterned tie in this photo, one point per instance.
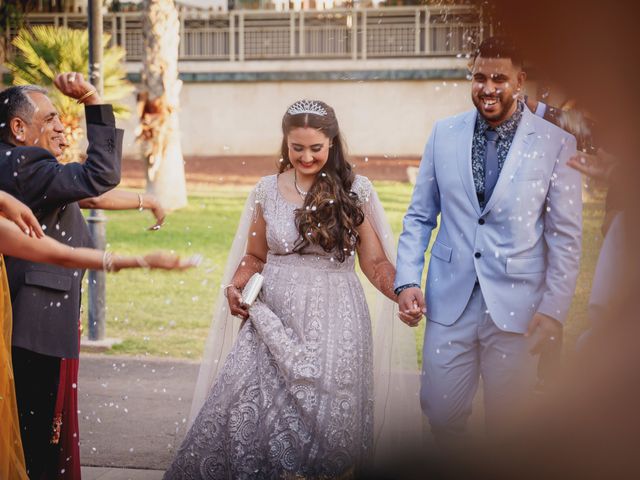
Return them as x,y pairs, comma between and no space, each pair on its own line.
490,164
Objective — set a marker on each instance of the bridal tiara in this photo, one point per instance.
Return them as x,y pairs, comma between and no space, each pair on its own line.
307,106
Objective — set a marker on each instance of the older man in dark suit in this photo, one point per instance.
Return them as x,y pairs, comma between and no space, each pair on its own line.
45,298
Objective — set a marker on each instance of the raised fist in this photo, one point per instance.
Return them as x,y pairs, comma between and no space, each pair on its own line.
73,85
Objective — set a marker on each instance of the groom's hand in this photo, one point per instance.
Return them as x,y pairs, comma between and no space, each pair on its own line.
412,306
547,331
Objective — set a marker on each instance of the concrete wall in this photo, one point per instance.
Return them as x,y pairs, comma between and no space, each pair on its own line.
384,106
376,117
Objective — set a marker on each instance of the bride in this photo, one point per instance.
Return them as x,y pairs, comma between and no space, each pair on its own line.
309,388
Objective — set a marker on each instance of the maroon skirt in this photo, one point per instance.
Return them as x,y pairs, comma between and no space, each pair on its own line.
66,433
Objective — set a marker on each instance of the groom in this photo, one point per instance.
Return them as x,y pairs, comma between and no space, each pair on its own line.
504,264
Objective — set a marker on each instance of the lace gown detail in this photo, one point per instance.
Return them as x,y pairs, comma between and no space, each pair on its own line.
295,394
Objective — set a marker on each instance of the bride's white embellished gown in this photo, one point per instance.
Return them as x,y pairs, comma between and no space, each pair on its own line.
295,395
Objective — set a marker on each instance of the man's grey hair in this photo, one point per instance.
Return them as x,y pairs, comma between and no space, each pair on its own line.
16,102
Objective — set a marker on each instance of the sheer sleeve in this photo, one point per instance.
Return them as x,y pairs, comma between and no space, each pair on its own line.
224,326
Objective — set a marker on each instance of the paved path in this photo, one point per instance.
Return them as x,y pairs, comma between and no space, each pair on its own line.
133,411
102,473
133,414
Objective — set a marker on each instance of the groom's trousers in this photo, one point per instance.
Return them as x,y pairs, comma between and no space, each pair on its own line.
455,357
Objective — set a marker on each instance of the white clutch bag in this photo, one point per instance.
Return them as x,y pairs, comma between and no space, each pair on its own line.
252,289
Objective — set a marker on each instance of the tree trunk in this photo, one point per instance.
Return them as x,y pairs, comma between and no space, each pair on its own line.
158,105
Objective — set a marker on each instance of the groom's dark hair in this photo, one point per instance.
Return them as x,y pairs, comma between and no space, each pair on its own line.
499,47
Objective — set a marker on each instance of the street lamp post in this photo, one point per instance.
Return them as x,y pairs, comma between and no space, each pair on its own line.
97,227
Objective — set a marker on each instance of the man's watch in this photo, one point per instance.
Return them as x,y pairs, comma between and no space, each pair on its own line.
404,287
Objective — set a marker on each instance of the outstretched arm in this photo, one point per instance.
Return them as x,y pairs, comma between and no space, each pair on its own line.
47,250
122,200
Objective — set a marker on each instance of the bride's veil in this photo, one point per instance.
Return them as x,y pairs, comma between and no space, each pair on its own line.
224,326
398,419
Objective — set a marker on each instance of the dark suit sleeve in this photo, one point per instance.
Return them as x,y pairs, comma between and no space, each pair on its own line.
46,183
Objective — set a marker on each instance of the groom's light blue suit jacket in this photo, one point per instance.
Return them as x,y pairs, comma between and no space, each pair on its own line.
523,247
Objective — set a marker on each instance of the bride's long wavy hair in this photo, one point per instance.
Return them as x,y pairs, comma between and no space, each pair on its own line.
330,213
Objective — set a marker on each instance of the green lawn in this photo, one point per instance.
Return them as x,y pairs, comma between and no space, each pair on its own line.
168,314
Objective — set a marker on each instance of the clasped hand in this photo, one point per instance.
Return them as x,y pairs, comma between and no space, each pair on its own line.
546,330
411,306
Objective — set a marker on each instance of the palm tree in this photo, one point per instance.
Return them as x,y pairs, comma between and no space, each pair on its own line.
159,103
44,51
11,17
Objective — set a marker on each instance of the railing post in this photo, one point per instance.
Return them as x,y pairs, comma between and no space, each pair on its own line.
354,34
232,36
427,31
114,29
241,37
292,34
302,43
123,33
416,27
364,34
182,36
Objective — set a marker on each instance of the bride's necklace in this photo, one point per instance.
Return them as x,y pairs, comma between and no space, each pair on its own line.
301,192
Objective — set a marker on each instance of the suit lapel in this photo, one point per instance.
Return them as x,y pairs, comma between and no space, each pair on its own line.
520,145
463,153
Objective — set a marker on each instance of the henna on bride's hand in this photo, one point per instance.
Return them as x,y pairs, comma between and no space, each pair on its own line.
383,277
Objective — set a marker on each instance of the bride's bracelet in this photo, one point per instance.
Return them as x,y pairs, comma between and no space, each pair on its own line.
226,287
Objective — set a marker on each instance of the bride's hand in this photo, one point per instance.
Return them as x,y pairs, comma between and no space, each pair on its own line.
236,307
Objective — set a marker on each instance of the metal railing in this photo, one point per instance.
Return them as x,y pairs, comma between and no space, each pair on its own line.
341,33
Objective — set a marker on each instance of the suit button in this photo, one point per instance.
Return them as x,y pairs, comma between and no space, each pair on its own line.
481,221
477,254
